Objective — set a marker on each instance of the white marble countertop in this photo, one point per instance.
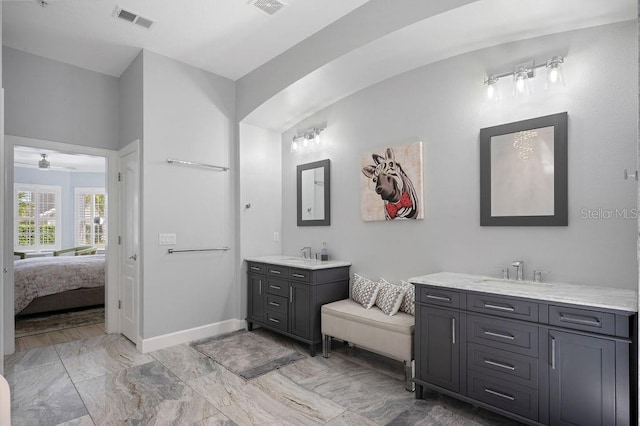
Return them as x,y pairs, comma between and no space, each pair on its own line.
298,262
587,295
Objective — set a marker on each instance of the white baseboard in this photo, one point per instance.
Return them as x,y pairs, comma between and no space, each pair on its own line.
184,336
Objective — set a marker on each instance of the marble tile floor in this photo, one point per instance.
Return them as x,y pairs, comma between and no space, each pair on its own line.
54,337
103,380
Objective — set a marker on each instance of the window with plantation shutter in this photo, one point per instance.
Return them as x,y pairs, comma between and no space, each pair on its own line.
90,217
37,218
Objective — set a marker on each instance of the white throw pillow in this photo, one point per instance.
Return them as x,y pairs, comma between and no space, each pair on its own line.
409,302
364,291
390,297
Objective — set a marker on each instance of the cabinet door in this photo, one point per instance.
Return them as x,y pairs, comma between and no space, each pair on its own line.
256,297
582,387
299,313
439,347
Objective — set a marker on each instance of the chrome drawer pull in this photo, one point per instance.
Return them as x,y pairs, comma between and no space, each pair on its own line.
502,336
274,304
255,268
499,364
500,394
553,353
277,287
260,287
453,331
500,308
274,320
444,299
595,322
298,276
275,272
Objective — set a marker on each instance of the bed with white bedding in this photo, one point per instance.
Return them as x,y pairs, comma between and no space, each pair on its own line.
62,282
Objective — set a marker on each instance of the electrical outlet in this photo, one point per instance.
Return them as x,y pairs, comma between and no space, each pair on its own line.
276,236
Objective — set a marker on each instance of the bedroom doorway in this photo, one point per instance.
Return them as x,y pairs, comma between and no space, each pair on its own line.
61,223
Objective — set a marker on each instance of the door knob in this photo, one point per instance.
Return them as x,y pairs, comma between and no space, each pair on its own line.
133,257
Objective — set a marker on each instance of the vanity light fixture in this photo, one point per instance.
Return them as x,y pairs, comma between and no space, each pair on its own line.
302,141
522,74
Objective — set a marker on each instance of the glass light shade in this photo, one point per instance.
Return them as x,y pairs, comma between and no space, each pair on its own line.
555,77
294,145
305,141
316,138
492,94
521,85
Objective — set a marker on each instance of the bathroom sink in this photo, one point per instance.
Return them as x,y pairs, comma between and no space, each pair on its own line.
498,281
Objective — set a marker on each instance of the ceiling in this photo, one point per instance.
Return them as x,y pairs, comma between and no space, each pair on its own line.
232,38
28,157
226,37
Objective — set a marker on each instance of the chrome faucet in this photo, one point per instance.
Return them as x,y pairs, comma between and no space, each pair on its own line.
519,265
537,276
306,252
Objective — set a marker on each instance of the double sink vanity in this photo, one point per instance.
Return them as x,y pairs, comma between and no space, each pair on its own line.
541,353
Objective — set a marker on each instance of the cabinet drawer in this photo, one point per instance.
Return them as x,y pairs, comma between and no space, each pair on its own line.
503,394
503,306
503,334
257,268
277,304
582,319
301,275
278,287
278,271
276,320
493,362
442,297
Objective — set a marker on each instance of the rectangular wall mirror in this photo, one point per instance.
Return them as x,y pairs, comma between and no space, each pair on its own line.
523,173
314,189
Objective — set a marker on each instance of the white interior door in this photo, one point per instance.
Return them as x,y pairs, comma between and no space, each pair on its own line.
130,241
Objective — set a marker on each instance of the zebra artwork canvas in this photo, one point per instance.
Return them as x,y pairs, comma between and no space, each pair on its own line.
392,185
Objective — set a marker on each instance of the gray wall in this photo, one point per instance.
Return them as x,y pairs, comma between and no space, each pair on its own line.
443,106
68,182
189,114
50,100
131,102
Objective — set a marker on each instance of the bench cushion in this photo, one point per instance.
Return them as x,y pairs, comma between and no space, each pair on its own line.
369,328
348,309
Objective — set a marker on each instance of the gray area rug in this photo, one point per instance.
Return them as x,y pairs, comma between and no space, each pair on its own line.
45,323
247,354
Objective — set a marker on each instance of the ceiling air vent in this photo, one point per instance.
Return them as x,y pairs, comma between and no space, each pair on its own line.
133,18
267,6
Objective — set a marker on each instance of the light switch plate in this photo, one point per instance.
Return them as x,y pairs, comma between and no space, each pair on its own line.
167,239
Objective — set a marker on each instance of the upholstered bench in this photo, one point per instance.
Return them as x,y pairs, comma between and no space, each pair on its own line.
371,329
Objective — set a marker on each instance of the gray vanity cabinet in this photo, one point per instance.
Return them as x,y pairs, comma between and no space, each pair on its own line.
582,380
288,300
438,351
536,361
257,283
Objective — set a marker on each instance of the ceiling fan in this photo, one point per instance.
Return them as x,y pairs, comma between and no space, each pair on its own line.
44,164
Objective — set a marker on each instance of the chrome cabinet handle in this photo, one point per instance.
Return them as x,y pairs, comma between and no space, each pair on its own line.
298,276
274,304
275,272
277,287
255,268
453,331
500,394
499,364
499,308
274,320
553,353
260,287
594,322
444,299
502,336
290,294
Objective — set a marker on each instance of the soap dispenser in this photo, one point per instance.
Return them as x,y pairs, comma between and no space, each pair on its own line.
324,253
